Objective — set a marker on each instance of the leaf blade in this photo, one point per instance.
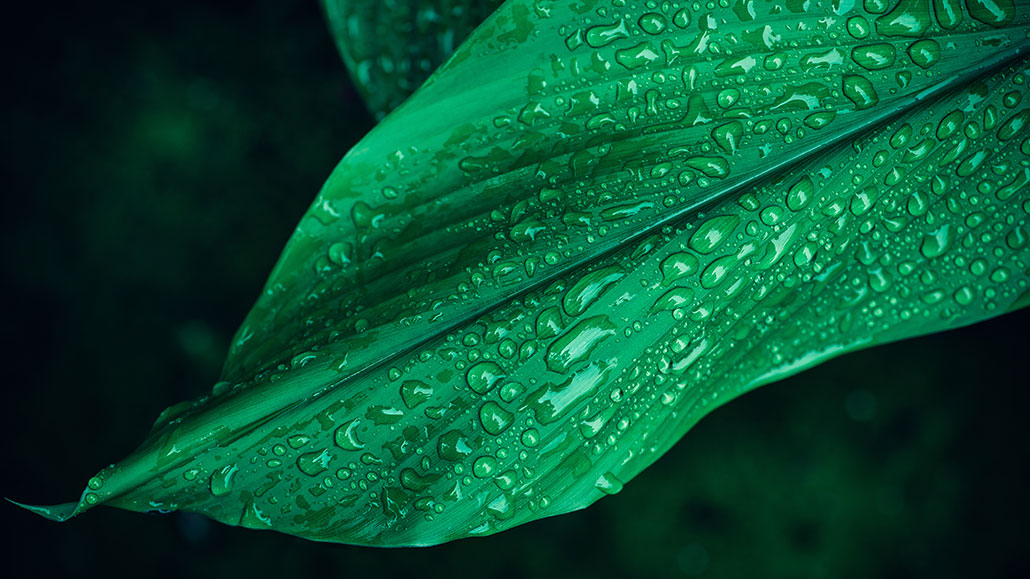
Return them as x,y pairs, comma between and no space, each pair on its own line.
577,362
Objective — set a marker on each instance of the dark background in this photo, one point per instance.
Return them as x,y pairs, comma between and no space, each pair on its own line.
155,160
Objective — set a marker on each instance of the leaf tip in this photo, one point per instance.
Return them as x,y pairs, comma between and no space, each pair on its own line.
59,513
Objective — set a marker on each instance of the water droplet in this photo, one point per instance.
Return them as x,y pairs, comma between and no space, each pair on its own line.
511,390
728,136
577,344
800,193
589,288
925,53
454,446
949,124
346,436
549,323
819,120
909,18
384,415
494,418
1012,99
531,437
673,299
484,466
482,377
608,484
652,23
715,167
314,463
678,266
937,243
297,440
222,480
860,91
858,27
948,13
716,271
415,392
993,12
599,36
713,233
864,200
728,97
553,400
1015,123
874,56
637,56
964,296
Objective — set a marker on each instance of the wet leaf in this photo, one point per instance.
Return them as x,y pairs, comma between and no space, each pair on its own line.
391,49
592,226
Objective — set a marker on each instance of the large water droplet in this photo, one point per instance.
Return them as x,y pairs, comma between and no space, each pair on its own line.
222,480
484,376
494,418
577,344
713,233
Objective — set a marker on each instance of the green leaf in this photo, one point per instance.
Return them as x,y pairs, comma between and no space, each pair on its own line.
390,50
591,227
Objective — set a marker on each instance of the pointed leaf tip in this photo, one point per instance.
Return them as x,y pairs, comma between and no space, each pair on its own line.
59,513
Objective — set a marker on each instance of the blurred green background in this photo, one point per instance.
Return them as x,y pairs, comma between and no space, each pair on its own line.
155,160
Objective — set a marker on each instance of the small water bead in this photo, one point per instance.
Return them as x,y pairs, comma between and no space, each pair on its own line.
637,56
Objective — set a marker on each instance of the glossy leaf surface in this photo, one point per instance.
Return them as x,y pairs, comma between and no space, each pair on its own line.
595,224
